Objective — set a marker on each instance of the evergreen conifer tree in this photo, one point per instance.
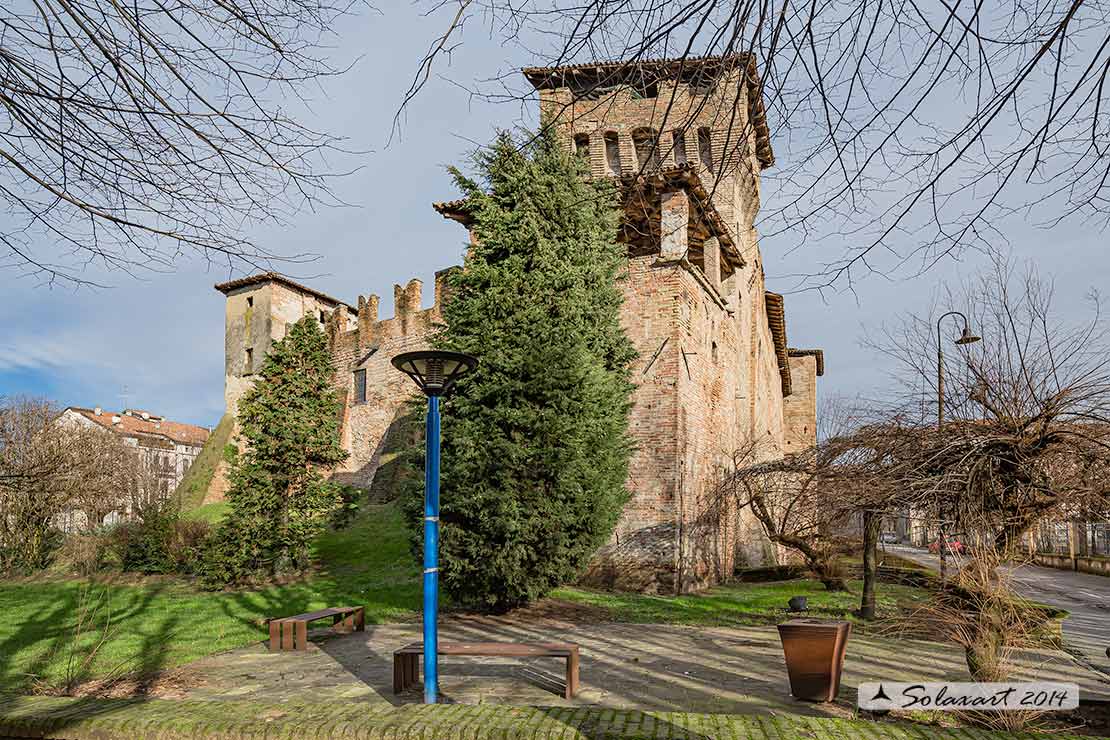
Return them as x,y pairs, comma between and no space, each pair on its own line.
279,498
535,441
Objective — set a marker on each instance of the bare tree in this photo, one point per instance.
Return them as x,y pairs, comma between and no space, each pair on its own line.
810,501
907,130
1029,438
131,133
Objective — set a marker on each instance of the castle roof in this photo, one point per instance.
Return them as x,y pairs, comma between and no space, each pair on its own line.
817,354
274,277
684,176
605,73
132,423
776,321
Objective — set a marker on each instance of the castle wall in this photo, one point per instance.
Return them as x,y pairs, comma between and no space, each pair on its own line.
799,409
371,347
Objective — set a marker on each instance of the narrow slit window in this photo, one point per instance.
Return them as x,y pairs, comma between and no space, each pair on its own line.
248,362
250,301
613,153
582,145
678,139
646,143
705,148
360,386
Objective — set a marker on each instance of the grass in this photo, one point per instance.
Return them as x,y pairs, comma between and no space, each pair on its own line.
157,623
194,485
211,513
741,603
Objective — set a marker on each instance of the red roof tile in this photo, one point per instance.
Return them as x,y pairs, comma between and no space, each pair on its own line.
135,424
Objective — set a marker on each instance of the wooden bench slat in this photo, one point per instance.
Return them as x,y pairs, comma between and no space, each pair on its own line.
406,660
494,649
321,614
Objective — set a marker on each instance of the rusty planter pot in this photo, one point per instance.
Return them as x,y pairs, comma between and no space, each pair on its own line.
814,653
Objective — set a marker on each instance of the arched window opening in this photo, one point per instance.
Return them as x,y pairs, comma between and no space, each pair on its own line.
678,139
705,148
646,143
612,153
582,145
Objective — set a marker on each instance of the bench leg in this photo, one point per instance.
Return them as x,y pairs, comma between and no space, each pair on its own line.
414,670
572,674
360,620
399,662
275,634
286,629
302,636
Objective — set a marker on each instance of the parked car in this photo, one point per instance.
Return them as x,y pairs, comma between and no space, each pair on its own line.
889,538
954,545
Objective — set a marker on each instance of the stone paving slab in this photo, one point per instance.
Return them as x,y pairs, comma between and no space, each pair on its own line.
624,666
108,719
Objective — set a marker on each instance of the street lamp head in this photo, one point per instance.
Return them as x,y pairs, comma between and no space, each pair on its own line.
435,371
967,337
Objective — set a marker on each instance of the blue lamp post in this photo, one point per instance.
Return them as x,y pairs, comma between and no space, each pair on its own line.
435,372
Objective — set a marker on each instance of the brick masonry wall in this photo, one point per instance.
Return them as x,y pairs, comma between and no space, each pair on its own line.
800,407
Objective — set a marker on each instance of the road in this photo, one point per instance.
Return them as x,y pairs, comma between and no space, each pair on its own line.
1085,596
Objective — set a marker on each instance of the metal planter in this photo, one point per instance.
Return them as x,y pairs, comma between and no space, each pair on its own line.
814,651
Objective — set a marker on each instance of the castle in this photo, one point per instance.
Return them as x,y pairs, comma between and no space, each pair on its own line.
687,141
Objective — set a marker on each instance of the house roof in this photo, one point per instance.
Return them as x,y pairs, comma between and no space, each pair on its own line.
776,320
132,423
818,354
612,72
268,277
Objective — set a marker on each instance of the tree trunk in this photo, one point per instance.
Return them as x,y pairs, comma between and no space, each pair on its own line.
830,574
872,523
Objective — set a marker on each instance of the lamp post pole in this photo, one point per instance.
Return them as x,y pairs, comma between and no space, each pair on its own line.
431,551
966,337
436,373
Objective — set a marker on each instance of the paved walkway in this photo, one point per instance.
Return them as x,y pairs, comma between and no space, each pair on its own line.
624,666
107,719
1086,597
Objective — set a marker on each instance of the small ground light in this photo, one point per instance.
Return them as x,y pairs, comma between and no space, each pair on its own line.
436,373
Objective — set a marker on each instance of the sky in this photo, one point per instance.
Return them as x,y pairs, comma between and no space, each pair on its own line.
157,343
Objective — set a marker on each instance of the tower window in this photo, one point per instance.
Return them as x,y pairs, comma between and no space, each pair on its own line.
678,139
360,386
323,317
250,301
646,143
248,362
705,148
612,153
582,145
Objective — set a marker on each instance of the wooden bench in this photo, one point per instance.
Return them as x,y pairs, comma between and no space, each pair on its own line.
406,661
291,633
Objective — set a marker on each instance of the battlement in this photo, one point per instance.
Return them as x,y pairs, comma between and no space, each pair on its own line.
408,320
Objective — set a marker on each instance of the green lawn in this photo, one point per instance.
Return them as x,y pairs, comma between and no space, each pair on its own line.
741,604
154,623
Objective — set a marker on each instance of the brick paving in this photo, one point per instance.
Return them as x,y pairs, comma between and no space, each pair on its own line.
107,719
624,666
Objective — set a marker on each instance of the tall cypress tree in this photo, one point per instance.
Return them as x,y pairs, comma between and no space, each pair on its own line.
279,498
536,443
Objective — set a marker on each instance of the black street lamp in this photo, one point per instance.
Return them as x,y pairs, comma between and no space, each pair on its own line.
966,337
436,372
